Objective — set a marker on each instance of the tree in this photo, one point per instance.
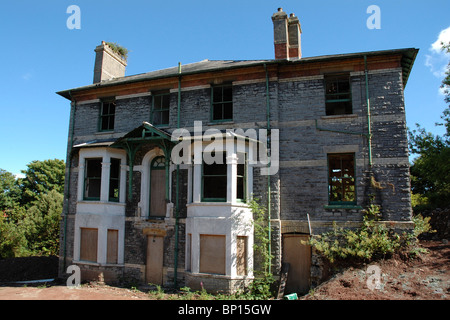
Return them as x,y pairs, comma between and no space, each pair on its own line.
40,178
9,190
430,172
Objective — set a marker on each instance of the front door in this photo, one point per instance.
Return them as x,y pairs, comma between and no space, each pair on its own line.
158,188
298,255
154,264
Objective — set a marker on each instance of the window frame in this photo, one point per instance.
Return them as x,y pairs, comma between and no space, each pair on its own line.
337,78
243,177
108,116
160,94
203,198
86,169
342,191
112,198
222,103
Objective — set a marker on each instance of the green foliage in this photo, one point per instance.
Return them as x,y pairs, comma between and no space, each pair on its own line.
260,287
40,178
30,209
430,171
374,239
117,48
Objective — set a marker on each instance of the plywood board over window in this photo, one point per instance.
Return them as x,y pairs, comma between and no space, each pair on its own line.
88,244
212,254
241,256
112,249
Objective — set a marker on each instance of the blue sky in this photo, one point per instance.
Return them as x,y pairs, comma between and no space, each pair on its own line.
41,56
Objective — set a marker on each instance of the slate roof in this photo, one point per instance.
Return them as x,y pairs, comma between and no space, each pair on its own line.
408,57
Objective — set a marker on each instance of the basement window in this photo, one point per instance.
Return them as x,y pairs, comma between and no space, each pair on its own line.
337,95
341,179
222,103
92,179
107,115
160,109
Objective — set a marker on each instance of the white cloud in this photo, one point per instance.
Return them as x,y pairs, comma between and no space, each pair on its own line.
438,59
444,37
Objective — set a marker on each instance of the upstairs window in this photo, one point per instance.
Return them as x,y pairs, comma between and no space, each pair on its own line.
222,103
92,179
241,178
341,179
107,115
160,109
337,95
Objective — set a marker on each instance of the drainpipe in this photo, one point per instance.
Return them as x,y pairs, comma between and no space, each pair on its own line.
269,193
369,129
73,104
177,204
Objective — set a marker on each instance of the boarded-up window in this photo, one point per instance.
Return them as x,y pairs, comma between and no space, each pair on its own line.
88,244
241,256
112,249
212,254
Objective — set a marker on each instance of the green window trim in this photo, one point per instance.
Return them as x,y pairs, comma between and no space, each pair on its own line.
219,179
241,174
114,180
92,179
221,103
107,115
338,94
160,110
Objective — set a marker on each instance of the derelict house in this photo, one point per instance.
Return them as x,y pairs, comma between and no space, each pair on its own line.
160,165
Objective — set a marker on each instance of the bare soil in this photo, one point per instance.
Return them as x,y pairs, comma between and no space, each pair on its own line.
424,278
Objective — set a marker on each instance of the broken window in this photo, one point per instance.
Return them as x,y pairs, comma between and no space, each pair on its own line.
160,108
114,180
92,179
337,95
214,180
341,179
222,103
107,115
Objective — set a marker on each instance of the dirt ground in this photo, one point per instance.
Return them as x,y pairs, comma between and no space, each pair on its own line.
426,278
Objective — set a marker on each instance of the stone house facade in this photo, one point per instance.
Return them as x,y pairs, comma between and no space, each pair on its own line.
160,165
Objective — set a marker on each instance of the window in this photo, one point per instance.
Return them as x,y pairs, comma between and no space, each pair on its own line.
222,103
112,246
92,179
114,180
212,254
214,180
337,95
160,109
341,179
241,189
107,114
88,244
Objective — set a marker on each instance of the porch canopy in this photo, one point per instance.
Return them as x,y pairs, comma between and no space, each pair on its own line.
135,139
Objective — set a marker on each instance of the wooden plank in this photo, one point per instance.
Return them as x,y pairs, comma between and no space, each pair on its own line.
154,265
283,279
88,244
158,193
298,256
212,254
112,246
241,256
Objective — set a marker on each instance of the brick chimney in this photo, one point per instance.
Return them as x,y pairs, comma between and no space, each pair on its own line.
287,36
108,64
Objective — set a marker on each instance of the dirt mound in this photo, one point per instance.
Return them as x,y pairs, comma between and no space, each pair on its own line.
424,278
28,268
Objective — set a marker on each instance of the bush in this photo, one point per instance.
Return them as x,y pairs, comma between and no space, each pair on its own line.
371,241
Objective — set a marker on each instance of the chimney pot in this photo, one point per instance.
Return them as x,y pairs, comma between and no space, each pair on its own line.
287,35
108,64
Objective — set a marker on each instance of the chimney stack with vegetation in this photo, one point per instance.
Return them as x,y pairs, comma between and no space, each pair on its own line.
110,61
